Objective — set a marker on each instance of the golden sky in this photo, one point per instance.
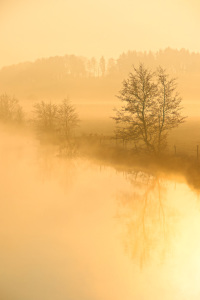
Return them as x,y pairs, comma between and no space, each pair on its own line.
31,29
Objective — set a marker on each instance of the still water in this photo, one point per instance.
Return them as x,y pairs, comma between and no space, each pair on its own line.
74,229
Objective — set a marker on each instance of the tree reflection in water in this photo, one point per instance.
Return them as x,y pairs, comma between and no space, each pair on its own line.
147,217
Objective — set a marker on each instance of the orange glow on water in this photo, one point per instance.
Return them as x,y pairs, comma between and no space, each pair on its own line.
65,230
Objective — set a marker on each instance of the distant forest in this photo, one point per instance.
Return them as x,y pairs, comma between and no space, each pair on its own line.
82,79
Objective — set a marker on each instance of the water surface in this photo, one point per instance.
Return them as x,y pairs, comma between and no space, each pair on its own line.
75,229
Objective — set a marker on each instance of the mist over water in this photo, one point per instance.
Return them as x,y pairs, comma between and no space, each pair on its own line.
74,229
55,219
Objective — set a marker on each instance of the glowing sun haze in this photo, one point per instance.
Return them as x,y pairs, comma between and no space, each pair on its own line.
33,29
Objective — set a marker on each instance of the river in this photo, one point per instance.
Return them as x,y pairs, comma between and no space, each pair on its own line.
79,230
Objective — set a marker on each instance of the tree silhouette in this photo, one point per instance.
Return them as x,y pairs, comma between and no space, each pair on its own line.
168,113
152,108
45,117
10,110
67,119
55,122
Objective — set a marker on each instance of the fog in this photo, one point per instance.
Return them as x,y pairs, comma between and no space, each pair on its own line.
89,209
92,84
99,150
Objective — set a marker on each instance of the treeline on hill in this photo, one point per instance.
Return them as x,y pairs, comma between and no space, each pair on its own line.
94,79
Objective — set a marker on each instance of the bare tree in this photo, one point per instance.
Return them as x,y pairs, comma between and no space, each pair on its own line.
135,119
45,115
55,122
10,110
169,107
152,108
67,119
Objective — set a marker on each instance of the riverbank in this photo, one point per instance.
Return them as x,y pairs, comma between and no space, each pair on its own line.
126,160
